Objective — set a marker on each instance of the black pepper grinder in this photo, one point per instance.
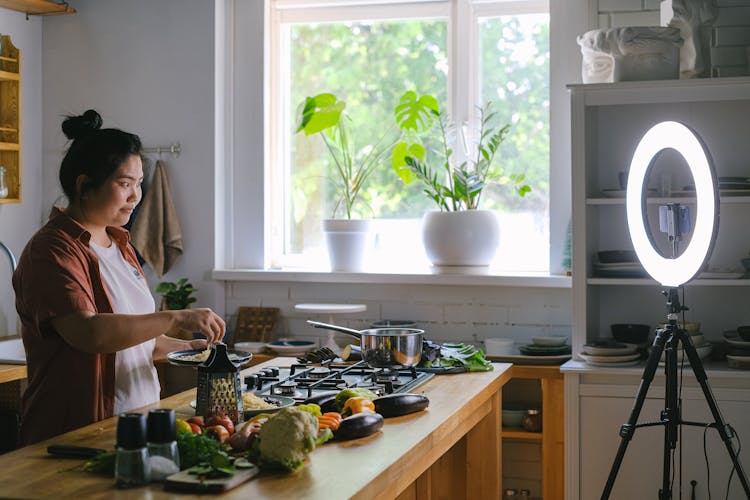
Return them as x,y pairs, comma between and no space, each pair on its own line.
162,443
132,466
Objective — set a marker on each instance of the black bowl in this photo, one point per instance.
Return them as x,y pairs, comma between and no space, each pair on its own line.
616,256
630,333
744,332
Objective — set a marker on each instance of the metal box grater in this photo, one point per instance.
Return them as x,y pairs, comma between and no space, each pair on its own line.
219,386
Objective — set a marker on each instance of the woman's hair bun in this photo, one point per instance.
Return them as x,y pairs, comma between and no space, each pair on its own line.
75,127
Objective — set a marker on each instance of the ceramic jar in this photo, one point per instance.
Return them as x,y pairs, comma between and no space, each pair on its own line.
532,421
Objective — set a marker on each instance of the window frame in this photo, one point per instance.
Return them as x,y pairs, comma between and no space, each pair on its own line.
243,112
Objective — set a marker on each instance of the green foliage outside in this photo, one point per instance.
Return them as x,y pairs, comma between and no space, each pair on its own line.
370,65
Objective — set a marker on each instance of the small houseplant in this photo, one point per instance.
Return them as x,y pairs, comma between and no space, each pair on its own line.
347,237
176,295
459,233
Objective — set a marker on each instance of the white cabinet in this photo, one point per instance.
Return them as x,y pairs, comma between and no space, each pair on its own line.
608,120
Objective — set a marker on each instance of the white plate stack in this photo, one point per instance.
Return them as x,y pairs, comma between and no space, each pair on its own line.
610,354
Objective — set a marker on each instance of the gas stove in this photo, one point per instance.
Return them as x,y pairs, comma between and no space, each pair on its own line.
301,381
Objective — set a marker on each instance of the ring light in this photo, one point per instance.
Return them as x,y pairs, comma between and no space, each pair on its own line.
673,272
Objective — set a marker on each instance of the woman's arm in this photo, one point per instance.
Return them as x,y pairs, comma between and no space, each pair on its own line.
97,333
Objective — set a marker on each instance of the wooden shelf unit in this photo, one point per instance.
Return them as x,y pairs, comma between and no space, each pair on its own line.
552,435
37,7
10,118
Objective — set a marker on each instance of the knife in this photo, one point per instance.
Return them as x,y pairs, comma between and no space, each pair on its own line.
71,451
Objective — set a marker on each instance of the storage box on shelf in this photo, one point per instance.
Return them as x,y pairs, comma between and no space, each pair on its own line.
10,119
547,395
608,120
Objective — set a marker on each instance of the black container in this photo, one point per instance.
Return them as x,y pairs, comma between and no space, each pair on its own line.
630,333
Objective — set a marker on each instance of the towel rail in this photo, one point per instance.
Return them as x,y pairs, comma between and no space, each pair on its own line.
173,148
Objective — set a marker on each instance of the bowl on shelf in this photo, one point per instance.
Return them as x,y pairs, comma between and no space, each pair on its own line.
551,340
744,332
512,415
615,256
630,333
746,264
498,346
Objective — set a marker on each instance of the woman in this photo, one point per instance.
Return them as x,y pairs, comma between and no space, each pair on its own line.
88,322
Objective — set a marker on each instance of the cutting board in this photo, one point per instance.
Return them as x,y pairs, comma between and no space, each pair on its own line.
183,481
11,352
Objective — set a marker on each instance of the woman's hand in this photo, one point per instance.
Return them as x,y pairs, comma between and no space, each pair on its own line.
201,320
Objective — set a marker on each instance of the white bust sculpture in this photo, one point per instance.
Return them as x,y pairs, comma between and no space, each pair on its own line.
694,19
630,53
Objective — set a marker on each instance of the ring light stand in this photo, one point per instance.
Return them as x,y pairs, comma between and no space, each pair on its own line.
673,273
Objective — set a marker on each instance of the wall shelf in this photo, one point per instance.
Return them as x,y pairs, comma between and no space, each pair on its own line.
37,7
10,118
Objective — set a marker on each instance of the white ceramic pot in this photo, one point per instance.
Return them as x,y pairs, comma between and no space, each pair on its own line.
348,241
464,238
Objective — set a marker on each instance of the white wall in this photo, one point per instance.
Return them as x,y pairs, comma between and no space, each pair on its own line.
147,67
18,221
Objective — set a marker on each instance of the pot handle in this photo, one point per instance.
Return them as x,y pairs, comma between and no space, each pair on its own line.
326,326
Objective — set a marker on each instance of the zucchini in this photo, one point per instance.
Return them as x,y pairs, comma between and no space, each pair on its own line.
395,405
359,425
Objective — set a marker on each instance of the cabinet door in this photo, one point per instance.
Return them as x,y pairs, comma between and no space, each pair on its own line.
640,475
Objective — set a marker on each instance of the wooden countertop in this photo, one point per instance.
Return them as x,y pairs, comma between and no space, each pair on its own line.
9,373
379,466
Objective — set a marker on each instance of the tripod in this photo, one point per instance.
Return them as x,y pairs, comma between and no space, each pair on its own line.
671,418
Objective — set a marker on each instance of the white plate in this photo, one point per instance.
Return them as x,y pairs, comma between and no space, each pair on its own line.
736,341
613,350
609,359
253,347
739,362
292,347
619,364
550,341
702,350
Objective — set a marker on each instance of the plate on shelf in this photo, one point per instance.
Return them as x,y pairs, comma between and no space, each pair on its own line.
717,275
733,339
549,341
590,358
291,347
620,193
544,350
618,364
738,362
609,349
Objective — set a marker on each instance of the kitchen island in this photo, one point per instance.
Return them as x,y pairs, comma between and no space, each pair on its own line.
451,450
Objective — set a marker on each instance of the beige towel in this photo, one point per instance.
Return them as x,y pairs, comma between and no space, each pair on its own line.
156,232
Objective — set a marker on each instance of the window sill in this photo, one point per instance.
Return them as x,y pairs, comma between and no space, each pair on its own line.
487,278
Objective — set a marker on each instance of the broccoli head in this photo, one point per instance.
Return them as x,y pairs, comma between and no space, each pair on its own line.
287,438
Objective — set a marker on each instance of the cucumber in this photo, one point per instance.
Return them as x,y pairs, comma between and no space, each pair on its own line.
358,425
395,405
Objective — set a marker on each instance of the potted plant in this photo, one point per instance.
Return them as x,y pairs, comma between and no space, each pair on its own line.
458,233
177,295
347,237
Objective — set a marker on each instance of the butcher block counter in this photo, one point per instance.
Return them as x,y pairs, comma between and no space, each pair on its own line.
451,450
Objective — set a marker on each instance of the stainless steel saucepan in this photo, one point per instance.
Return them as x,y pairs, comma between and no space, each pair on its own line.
384,347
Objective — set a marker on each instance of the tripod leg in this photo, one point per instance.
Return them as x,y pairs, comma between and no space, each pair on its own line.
670,414
628,429
721,426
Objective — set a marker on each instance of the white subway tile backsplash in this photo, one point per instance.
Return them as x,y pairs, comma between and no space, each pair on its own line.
460,313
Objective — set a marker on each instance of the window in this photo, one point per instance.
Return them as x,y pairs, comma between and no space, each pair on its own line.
368,53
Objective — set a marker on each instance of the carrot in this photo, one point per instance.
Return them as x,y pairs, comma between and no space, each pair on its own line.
330,420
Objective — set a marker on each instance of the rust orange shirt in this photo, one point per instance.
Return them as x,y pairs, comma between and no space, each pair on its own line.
58,274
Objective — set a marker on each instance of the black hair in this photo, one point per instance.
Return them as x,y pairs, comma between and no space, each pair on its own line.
95,152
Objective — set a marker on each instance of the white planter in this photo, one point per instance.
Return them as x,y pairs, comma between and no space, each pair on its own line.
464,238
348,241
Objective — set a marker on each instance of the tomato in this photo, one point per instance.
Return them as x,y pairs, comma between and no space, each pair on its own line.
221,420
218,432
195,428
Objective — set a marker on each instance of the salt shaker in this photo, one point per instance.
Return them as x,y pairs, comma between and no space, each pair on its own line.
132,466
161,443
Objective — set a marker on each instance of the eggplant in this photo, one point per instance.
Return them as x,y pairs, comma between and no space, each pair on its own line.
326,401
358,425
395,405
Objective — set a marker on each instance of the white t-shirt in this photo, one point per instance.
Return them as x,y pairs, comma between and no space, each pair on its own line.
136,382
